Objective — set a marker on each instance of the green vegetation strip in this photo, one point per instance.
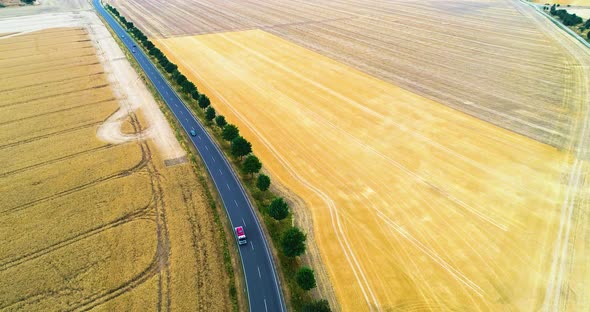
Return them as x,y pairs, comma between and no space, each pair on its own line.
274,211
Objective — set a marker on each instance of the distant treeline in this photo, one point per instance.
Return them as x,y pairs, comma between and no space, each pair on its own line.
567,18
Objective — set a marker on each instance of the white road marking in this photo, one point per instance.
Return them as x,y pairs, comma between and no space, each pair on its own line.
213,159
259,275
228,186
186,119
243,222
221,173
252,245
206,147
265,307
182,112
198,136
235,202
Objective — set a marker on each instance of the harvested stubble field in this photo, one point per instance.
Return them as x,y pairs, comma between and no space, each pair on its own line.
485,58
416,206
86,224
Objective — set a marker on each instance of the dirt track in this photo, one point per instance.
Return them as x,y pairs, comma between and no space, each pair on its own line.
415,205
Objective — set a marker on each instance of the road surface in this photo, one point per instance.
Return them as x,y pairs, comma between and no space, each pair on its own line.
261,281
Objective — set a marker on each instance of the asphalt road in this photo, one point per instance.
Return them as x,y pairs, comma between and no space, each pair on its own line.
261,281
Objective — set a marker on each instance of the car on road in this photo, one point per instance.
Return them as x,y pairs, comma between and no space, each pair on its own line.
240,235
193,132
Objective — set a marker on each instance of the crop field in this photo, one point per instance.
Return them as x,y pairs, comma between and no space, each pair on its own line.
416,206
488,59
87,224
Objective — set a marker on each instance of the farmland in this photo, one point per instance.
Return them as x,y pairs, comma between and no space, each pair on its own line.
441,147
88,223
495,73
415,205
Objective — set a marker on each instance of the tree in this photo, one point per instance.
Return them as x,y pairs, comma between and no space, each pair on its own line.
181,79
293,242
210,113
188,86
195,95
175,74
278,209
170,67
263,182
148,45
230,132
588,35
305,278
240,147
321,305
155,51
251,165
220,121
204,101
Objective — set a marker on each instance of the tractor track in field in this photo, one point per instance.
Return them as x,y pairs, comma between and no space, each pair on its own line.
51,68
55,160
154,211
56,95
6,264
123,173
57,111
29,140
70,78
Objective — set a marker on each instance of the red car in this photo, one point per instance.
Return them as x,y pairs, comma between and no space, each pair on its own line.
240,235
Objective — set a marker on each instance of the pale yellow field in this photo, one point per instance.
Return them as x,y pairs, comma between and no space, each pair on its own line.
86,224
416,206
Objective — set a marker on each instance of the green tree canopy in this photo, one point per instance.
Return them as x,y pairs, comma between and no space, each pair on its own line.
149,45
170,67
204,101
293,242
240,147
210,113
188,86
263,182
305,278
278,209
181,79
251,165
321,305
195,95
230,132
220,121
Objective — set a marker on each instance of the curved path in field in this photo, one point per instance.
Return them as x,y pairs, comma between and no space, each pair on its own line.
262,284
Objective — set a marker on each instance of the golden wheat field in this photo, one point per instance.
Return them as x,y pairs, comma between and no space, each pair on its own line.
86,224
416,206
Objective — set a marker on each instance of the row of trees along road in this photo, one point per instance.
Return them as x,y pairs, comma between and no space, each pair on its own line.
290,239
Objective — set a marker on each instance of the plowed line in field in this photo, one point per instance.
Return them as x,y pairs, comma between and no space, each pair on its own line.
56,95
50,69
50,134
56,160
48,83
117,175
57,111
6,264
